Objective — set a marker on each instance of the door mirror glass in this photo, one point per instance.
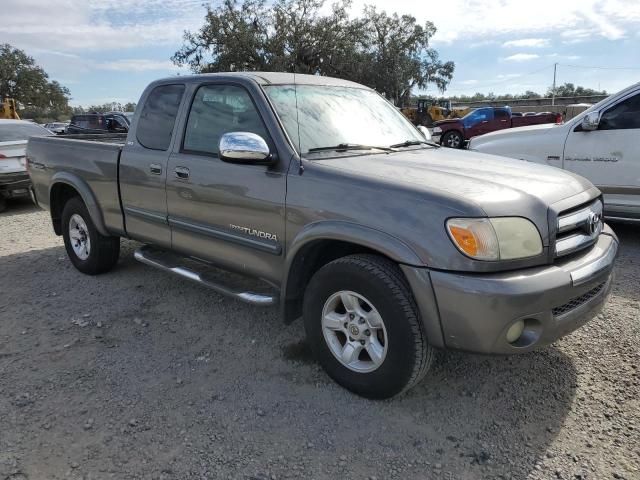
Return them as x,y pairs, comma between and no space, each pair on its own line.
425,132
590,121
244,147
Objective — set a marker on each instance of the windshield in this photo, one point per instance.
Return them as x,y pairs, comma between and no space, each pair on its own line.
329,116
10,132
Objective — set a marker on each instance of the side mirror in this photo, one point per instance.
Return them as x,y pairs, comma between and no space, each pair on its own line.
425,132
590,121
244,147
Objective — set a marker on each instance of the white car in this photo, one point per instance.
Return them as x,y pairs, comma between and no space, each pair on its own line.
14,180
57,127
601,144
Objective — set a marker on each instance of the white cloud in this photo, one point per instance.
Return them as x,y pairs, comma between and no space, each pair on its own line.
138,65
521,57
468,82
486,19
527,42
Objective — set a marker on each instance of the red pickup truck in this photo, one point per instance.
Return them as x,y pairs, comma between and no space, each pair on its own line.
455,132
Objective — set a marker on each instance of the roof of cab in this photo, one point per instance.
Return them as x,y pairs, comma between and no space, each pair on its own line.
270,78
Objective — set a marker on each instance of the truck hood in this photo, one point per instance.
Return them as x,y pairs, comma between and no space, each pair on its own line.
449,121
498,185
540,129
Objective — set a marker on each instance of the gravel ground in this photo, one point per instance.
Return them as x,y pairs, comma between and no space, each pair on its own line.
137,374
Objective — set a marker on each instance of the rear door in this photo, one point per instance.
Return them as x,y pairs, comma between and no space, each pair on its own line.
501,119
230,214
610,156
143,166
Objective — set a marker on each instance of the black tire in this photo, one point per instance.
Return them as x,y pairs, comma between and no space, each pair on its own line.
408,356
453,139
104,251
3,204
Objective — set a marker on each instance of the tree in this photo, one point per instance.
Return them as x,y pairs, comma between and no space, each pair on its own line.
29,85
570,90
390,53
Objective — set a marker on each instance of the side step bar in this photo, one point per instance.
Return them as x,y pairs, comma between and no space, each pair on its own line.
203,274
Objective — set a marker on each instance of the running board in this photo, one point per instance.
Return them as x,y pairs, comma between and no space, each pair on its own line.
211,277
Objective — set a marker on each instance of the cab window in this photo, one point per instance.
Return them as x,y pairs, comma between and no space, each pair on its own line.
216,110
158,116
624,115
477,116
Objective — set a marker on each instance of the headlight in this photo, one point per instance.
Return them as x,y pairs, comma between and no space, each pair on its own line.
437,130
501,238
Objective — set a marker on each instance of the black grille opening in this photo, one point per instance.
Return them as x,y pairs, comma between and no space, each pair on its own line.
578,301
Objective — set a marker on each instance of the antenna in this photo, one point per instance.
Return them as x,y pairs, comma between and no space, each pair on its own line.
295,93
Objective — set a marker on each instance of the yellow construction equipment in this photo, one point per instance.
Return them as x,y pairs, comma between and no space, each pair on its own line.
8,109
428,111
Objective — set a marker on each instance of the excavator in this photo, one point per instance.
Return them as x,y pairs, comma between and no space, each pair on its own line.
428,111
8,109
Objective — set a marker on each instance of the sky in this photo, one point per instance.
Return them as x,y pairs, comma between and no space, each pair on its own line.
108,50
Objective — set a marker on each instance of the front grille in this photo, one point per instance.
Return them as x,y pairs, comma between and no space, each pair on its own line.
578,228
578,301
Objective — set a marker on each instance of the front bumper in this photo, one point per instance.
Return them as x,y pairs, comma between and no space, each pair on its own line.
14,184
475,311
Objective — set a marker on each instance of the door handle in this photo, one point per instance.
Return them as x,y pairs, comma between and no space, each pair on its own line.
485,121
155,169
182,172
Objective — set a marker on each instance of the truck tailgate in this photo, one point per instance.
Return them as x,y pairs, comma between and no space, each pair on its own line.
90,163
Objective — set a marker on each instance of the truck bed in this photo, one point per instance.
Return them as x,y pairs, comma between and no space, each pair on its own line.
89,160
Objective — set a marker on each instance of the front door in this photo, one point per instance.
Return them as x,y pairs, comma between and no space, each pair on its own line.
143,167
229,214
478,122
610,156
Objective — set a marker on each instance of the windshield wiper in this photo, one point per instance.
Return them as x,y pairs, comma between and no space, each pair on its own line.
410,143
343,147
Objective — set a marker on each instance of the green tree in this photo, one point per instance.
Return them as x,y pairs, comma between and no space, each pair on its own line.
390,53
570,90
29,85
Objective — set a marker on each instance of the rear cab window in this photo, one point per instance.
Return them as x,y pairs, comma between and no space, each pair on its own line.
158,116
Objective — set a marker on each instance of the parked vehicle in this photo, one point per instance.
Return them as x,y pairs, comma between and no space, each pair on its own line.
387,245
454,133
57,127
601,144
428,111
99,123
14,180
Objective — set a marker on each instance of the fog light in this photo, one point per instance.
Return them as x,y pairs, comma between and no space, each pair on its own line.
515,331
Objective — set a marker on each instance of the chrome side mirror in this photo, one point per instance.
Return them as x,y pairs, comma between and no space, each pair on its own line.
590,121
244,147
425,132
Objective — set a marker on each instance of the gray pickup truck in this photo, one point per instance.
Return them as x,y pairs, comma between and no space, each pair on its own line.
318,195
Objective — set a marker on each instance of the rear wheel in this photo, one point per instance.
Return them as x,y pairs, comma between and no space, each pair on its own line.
364,328
453,140
89,251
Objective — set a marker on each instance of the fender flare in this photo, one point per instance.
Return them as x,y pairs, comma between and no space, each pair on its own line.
87,195
348,232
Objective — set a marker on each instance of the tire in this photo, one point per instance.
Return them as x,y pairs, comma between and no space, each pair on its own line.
453,139
101,252
378,283
3,204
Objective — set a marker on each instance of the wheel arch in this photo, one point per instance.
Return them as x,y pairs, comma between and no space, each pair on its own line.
65,185
323,242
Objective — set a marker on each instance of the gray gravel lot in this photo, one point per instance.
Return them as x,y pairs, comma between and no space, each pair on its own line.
137,374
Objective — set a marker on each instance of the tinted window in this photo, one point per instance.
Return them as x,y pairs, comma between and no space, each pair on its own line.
158,116
10,132
624,115
95,122
477,116
501,114
216,110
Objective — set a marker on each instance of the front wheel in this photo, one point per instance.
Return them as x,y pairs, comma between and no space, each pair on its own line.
453,140
89,251
364,328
